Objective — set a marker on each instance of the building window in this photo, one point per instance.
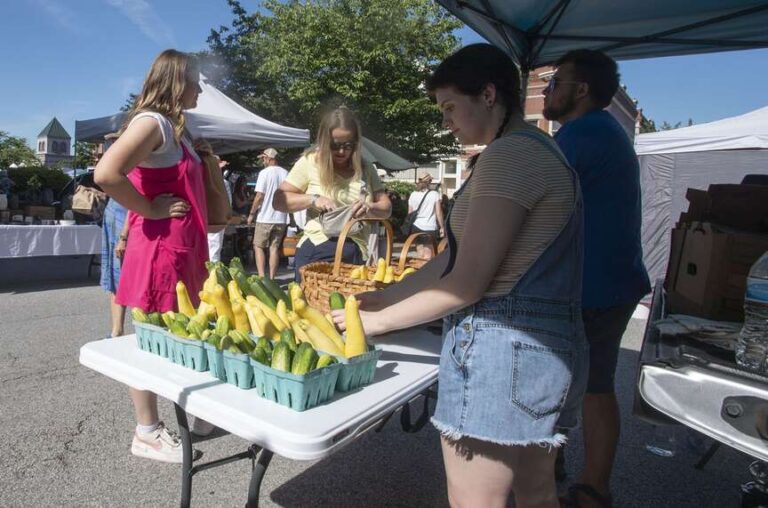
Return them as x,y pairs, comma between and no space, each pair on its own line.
55,147
449,167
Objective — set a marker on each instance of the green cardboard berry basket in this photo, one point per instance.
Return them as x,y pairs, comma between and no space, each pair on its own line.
188,353
215,361
151,338
238,370
296,392
357,371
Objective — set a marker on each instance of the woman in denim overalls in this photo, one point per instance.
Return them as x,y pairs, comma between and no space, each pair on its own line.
513,367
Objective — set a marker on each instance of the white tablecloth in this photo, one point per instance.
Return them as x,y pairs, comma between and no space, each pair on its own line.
30,241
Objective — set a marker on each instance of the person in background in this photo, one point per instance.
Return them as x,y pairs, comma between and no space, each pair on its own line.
271,224
331,174
429,218
113,241
615,278
241,200
513,364
218,198
155,173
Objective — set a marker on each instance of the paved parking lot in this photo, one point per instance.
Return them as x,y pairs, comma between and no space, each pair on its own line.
67,431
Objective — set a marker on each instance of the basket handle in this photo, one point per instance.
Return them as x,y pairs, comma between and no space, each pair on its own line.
407,247
442,245
343,238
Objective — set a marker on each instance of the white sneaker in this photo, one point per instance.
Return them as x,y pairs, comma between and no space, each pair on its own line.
160,444
200,427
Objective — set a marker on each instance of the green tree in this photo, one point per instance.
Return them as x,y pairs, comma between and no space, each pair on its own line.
647,125
129,102
293,59
84,154
14,150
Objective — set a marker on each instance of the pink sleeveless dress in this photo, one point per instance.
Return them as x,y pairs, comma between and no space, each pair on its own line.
161,252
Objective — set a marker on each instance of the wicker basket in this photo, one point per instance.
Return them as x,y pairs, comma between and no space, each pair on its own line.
320,279
413,262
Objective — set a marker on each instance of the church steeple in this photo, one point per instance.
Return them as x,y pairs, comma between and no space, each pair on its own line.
53,144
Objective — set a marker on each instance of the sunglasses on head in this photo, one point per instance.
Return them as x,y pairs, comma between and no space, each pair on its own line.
346,146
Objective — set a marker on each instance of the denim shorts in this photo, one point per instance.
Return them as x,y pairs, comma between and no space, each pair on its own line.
512,371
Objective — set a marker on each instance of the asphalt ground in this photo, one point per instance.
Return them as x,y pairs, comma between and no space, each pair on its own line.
66,434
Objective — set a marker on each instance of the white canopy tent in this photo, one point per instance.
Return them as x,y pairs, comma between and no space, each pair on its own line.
228,126
693,157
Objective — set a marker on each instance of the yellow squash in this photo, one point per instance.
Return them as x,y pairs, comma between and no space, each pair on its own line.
319,340
280,325
183,301
355,344
389,275
220,300
315,317
241,317
381,270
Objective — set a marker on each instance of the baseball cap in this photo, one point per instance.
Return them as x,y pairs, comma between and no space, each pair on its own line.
270,153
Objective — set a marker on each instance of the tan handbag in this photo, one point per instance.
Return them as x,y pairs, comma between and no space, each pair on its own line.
89,201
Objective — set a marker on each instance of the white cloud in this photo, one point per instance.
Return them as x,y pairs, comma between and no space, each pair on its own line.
60,13
141,14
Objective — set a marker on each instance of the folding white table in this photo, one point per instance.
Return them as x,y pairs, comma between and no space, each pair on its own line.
406,370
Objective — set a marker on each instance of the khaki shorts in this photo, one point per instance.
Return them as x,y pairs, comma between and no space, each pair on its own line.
268,235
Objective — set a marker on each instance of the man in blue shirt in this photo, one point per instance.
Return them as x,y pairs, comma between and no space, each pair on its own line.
614,275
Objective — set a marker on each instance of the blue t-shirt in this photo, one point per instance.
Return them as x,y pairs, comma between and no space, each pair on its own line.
601,153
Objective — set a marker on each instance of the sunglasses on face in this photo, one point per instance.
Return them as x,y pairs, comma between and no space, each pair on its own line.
347,146
552,84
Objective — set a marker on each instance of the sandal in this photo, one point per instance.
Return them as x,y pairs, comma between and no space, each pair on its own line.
572,498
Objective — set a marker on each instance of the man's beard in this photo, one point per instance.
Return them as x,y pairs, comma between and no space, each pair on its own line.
556,113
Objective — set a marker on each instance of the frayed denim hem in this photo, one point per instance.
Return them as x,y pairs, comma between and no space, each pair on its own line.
452,434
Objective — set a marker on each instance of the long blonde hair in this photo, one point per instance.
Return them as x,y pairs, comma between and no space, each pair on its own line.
339,118
164,87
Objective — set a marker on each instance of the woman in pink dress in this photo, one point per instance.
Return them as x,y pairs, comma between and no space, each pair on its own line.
153,171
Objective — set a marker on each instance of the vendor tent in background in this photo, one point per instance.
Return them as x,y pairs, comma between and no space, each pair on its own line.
228,126
673,161
538,32
382,158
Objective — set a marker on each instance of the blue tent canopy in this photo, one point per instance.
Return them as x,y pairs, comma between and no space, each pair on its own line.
538,32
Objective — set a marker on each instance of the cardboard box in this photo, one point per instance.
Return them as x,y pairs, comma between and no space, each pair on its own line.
739,206
41,212
708,267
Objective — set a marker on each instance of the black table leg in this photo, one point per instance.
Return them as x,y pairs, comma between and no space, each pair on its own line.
186,465
257,475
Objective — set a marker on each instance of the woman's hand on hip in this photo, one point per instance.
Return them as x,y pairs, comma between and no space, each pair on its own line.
120,249
168,205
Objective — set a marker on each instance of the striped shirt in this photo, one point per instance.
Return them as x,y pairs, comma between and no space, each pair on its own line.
527,172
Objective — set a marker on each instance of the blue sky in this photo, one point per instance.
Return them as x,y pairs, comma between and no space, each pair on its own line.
79,59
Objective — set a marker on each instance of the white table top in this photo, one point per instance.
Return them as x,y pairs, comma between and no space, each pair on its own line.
408,365
35,240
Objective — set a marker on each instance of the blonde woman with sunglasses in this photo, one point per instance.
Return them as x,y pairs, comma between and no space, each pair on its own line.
329,175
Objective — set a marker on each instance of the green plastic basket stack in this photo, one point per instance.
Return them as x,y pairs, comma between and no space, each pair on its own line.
187,353
296,392
151,338
238,370
357,371
215,361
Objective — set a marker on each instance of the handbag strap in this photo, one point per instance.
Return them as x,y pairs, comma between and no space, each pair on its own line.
422,201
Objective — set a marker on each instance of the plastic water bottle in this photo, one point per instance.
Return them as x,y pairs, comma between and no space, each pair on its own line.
752,347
